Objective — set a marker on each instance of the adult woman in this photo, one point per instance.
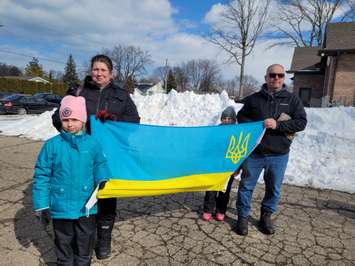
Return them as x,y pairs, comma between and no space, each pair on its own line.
108,101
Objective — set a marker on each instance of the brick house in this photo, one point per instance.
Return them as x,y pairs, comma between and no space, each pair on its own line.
325,75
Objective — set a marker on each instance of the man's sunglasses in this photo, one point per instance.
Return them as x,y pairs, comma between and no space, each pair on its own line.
274,75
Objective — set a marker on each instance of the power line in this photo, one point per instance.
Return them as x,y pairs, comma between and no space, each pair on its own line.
31,56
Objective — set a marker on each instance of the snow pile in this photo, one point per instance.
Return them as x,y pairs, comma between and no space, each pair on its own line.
322,155
182,109
37,127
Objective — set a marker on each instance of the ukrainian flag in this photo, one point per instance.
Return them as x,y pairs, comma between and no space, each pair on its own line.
148,160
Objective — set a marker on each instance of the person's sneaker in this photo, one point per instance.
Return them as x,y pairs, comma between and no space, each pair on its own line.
207,216
265,223
220,217
242,226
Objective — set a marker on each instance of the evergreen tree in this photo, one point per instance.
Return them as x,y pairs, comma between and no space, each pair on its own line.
171,82
34,69
70,76
129,84
50,75
9,70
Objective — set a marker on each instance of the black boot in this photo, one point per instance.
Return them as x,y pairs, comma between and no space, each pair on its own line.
103,244
242,226
265,223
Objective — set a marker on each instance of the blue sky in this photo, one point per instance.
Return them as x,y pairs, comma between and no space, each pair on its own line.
195,12
173,30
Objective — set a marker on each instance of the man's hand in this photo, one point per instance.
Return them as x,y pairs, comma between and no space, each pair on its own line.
104,115
43,216
270,123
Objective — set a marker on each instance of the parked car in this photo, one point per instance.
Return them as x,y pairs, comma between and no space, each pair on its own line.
25,104
49,97
3,94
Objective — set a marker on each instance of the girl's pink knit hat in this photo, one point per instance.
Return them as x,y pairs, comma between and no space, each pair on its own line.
73,107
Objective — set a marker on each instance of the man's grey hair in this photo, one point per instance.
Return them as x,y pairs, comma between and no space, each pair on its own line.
273,65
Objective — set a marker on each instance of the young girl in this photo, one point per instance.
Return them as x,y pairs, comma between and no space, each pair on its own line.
69,168
214,199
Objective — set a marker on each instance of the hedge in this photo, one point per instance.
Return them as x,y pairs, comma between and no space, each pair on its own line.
31,87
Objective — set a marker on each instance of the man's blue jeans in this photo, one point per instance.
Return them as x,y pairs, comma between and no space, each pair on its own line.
274,170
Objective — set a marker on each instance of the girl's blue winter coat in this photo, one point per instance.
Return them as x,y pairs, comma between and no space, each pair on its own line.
67,171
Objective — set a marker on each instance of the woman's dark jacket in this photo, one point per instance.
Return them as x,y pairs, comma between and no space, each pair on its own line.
112,98
262,105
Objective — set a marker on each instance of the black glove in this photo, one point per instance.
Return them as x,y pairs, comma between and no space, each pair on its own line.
43,216
102,185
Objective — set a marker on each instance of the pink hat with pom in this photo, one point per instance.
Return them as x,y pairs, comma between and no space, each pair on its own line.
73,107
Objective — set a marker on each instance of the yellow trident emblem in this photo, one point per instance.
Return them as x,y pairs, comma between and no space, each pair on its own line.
236,151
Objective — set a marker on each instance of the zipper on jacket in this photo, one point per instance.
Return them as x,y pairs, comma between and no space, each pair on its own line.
277,108
98,102
270,107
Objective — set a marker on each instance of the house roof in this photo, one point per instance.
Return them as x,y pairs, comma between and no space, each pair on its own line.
333,52
35,79
340,35
305,59
38,79
144,86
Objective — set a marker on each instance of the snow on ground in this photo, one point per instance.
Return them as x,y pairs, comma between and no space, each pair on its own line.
320,157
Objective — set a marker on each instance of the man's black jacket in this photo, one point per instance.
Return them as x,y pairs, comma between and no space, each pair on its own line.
262,105
111,98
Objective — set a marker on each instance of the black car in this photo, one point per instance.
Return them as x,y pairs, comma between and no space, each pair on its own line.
25,104
5,94
49,97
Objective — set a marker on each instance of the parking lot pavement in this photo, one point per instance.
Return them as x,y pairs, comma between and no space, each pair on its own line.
314,227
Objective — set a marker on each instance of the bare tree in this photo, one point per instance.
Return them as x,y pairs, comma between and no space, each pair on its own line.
302,22
55,75
202,74
251,85
194,73
231,86
210,76
242,23
349,12
181,78
160,72
129,62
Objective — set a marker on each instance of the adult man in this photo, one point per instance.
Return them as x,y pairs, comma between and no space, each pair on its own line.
272,104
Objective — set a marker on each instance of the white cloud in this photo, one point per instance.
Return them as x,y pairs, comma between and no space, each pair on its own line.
84,27
91,21
213,16
54,29
182,47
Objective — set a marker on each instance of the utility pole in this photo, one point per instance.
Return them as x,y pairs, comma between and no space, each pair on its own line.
166,76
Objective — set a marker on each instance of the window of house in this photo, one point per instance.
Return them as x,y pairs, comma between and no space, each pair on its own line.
305,95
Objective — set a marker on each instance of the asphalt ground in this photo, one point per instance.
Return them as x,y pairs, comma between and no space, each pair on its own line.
313,227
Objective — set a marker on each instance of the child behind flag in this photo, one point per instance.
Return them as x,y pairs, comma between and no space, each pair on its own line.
68,169
214,199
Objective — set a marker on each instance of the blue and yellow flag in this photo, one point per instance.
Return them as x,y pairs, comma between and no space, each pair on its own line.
150,160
